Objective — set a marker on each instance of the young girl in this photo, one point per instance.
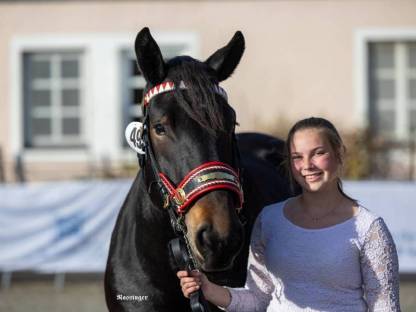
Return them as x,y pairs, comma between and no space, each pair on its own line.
319,251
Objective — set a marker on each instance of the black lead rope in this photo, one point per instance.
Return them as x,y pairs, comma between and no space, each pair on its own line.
184,260
180,254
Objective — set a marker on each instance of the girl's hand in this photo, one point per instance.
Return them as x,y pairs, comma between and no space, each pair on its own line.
193,282
214,293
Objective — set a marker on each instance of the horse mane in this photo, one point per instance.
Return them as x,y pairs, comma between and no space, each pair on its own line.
199,99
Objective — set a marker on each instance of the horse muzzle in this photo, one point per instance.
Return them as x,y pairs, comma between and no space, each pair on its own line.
218,254
214,231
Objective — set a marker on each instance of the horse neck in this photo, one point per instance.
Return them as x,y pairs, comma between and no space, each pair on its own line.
147,202
152,223
138,254
152,234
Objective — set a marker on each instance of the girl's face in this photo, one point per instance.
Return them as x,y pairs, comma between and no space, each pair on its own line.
313,162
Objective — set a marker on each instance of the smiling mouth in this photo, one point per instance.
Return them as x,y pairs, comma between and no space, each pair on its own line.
313,177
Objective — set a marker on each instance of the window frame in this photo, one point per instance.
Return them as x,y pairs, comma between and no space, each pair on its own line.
57,139
362,39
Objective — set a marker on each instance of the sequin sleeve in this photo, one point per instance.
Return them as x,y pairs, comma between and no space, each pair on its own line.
256,294
380,269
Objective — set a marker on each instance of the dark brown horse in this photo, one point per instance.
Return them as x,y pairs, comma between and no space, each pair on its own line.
189,127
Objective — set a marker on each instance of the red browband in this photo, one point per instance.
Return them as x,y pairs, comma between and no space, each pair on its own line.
203,179
169,86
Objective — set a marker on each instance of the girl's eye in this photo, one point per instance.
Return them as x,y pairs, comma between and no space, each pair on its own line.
296,157
320,152
159,129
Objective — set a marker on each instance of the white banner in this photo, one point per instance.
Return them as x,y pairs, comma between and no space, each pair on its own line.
395,202
66,226
58,226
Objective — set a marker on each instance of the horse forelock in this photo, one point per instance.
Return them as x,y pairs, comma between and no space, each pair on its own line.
201,102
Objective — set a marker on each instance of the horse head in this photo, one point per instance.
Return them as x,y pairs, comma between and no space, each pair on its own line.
190,146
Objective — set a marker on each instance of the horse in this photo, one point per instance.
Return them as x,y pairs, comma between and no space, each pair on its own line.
189,134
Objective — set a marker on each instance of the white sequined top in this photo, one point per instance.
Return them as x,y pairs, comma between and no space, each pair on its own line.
351,266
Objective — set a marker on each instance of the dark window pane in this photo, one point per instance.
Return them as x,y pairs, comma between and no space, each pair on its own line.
386,123
382,55
384,89
41,69
171,51
412,55
412,89
70,126
70,69
70,97
40,98
412,123
135,71
137,95
41,126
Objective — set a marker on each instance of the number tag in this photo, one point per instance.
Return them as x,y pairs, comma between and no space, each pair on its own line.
134,138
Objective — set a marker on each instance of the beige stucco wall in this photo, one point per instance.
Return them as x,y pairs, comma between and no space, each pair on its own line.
299,55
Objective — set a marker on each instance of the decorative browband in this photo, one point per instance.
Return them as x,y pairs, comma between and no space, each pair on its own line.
170,86
205,178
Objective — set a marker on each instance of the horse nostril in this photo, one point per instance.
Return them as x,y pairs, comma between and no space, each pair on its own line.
205,235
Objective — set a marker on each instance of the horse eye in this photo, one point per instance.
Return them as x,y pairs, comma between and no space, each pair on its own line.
160,129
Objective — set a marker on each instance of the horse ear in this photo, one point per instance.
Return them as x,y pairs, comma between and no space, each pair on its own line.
226,59
149,57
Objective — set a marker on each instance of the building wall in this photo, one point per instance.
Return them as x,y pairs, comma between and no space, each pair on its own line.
299,60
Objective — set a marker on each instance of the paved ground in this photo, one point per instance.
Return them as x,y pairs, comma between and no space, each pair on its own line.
41,296
80,296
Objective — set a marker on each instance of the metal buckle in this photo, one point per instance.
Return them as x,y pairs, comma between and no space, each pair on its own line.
179,197
166,202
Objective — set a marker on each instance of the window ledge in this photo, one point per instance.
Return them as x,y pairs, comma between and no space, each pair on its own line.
56,155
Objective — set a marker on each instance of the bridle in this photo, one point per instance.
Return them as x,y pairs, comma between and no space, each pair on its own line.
209,176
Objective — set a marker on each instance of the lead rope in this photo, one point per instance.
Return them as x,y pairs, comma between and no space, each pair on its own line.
179,227
188,245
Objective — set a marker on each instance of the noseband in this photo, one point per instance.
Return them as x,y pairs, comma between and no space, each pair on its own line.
209,176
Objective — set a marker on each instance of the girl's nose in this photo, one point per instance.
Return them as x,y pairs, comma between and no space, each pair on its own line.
308,163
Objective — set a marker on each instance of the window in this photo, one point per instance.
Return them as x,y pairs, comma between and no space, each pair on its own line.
53,99
134,82
71,98
133,86
392,89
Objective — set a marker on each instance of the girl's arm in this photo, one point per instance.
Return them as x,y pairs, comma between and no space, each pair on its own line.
380,269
